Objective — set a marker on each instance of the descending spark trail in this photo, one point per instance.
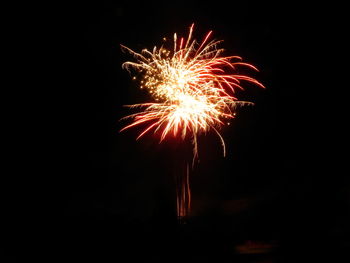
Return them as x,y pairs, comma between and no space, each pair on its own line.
192,86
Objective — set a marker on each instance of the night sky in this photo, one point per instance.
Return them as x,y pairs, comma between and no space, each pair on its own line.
103,196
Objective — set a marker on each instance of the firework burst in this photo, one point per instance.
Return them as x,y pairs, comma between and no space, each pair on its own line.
193,88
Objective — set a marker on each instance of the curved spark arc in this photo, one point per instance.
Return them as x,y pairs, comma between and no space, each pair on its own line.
192,89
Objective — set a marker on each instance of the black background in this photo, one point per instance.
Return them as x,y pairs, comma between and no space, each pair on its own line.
85,192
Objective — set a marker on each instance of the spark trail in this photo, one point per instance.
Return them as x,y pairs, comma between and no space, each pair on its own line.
192,88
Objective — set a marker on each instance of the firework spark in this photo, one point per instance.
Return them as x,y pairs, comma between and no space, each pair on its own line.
192,85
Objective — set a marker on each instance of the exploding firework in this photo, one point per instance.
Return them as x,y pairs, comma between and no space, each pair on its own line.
193,89
192,86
